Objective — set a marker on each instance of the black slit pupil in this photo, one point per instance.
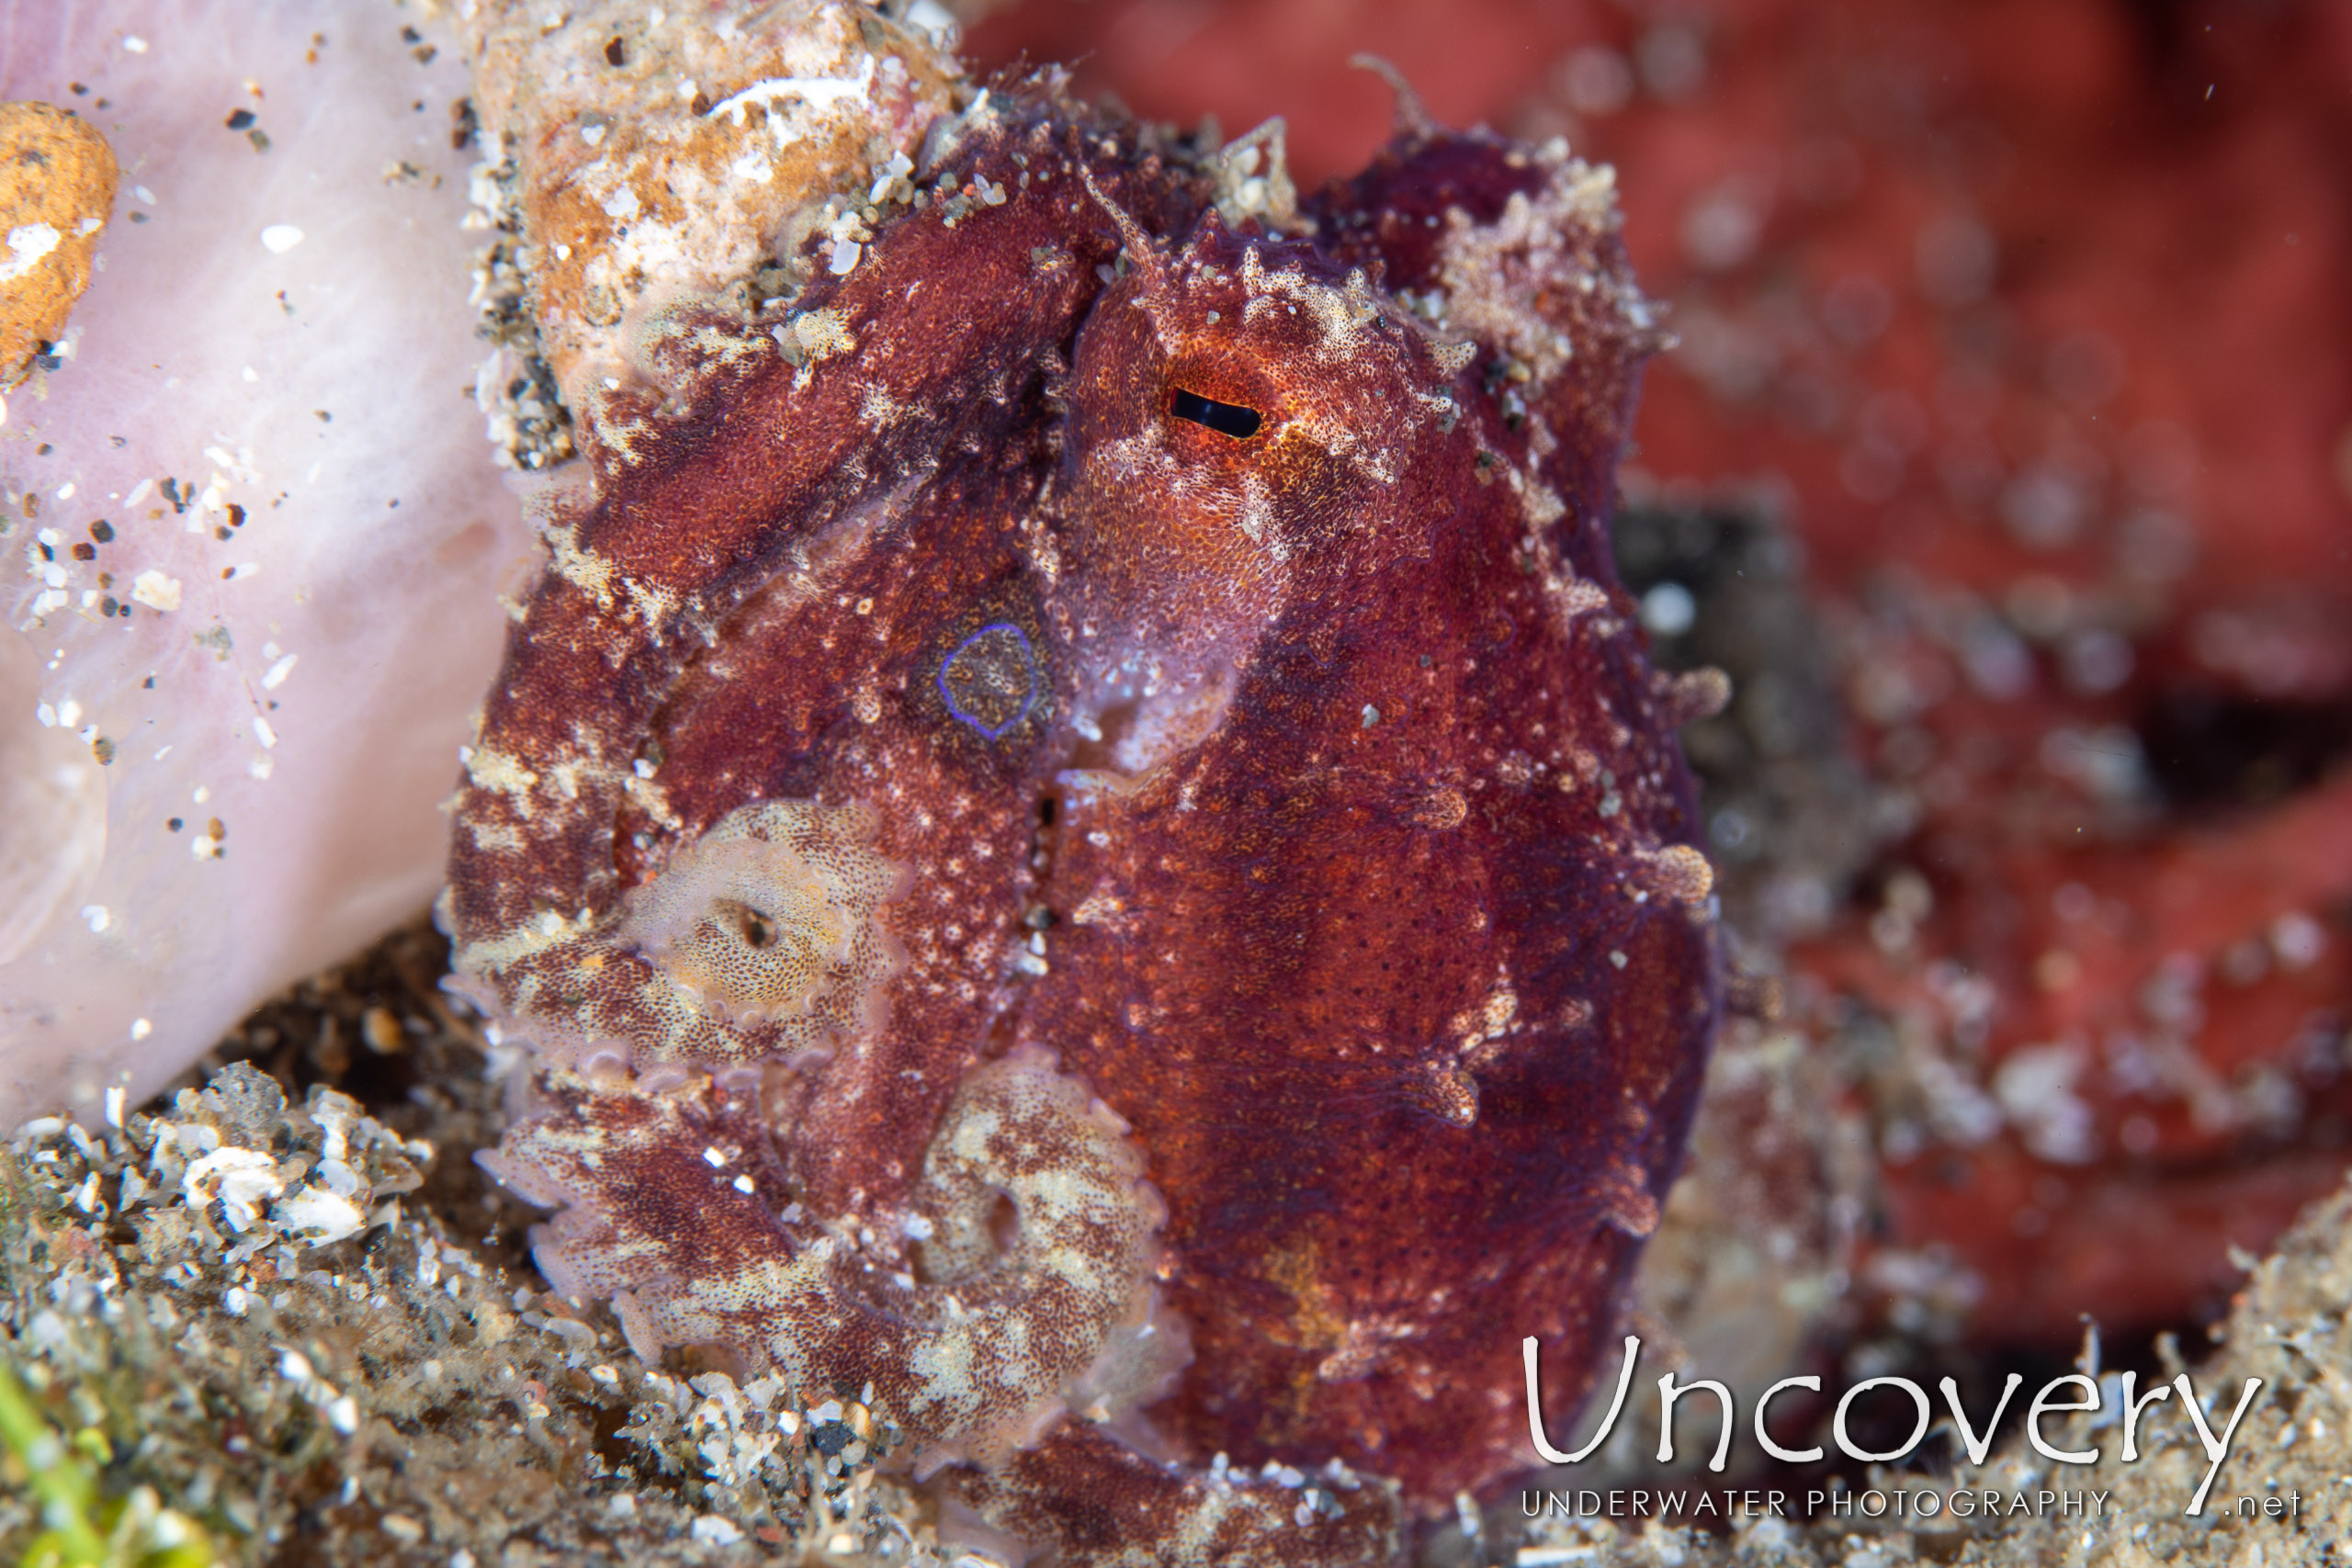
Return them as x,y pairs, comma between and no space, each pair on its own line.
1226,419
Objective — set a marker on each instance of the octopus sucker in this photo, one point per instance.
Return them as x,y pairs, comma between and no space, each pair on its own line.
1066,697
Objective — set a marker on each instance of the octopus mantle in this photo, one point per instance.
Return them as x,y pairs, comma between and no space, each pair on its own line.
1082,830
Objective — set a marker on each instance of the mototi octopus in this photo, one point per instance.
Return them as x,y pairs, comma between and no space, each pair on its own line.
1084,835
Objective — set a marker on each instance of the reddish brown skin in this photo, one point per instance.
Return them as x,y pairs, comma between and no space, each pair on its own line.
2170,177
1262,947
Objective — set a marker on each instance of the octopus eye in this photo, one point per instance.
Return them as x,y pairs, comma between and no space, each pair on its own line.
1226,419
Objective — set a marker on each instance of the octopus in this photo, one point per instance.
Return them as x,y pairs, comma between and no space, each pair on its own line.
1085,844
2049,834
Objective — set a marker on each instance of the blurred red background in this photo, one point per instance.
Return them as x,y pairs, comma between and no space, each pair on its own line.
2026,325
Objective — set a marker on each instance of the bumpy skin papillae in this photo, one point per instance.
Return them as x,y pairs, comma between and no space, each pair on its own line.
1103,1505
781,499
974,1358
1403,973
1325,754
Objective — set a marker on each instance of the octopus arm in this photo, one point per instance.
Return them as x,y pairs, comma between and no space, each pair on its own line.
1095,1500
680,1208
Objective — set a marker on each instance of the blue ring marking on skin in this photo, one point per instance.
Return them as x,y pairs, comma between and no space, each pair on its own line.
1029,669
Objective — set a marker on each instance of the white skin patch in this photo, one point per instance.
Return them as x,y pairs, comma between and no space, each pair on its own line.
759,937
971,1361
